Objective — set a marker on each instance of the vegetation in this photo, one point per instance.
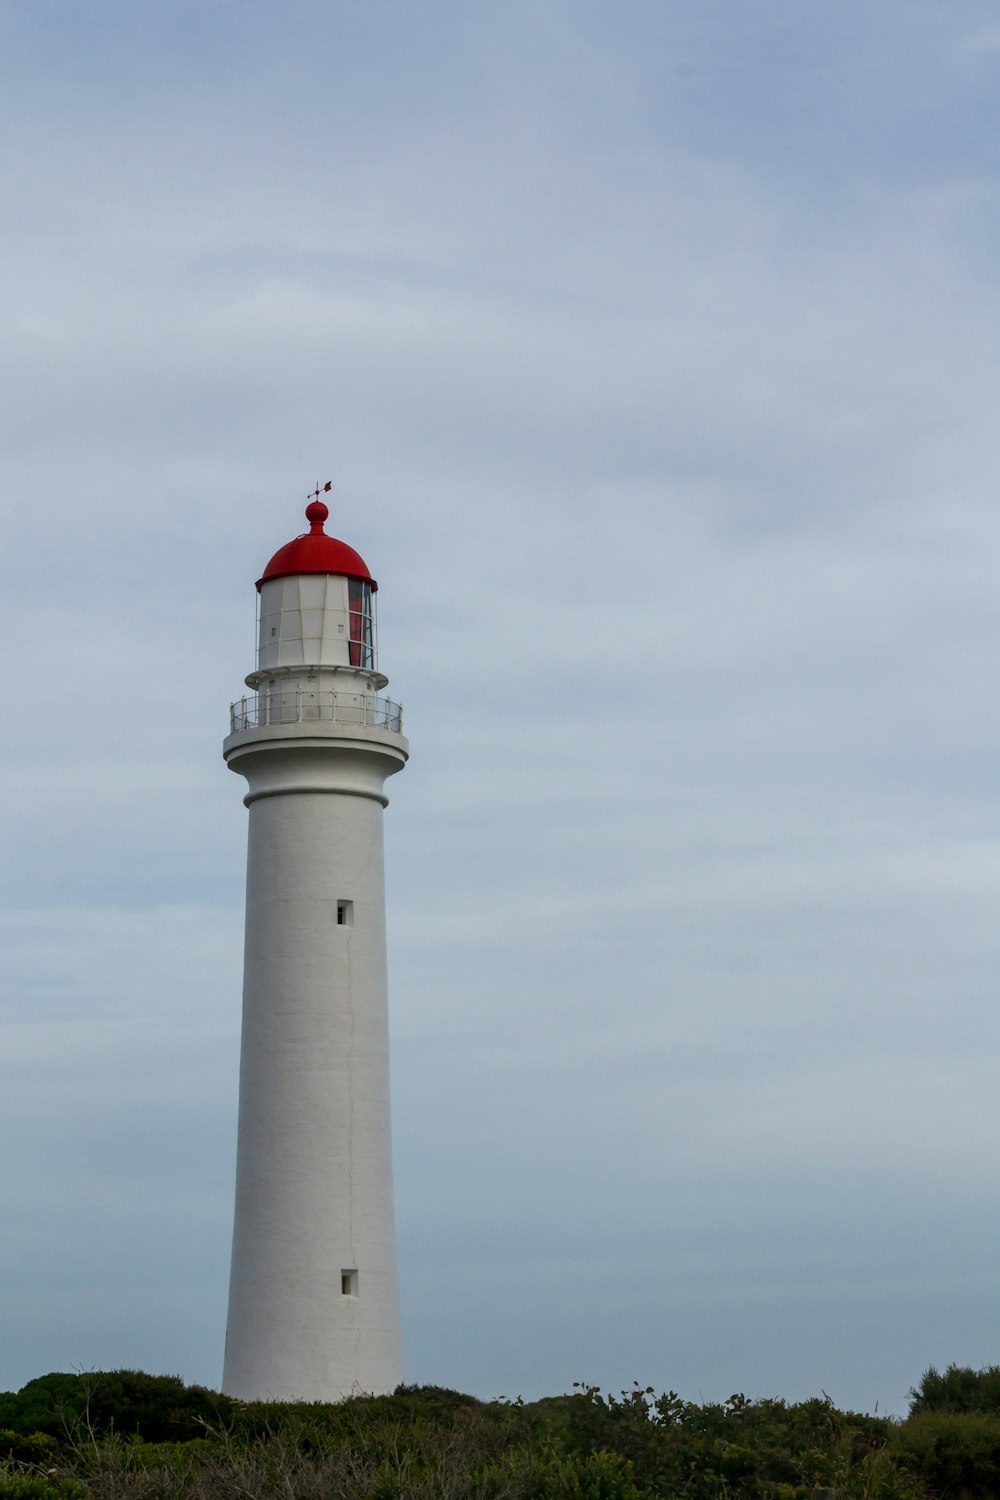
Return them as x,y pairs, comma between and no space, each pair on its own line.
125,1435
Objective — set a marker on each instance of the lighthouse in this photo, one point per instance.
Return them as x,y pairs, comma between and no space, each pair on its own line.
314,1296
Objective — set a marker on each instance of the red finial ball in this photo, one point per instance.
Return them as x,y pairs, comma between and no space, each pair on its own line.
316,514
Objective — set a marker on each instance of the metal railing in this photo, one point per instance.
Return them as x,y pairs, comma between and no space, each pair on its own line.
303,707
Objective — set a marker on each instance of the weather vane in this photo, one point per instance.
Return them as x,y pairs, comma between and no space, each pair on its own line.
315,494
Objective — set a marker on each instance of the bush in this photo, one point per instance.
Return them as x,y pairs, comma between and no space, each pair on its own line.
158,1408
958,1389
126,1435
15,1484
31,1448
955,1453
47,1404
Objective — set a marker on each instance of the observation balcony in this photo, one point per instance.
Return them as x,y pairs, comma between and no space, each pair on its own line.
301,707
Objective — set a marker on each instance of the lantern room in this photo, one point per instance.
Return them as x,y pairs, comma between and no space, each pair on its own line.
317,604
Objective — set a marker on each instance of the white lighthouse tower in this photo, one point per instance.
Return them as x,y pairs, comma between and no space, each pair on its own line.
314,1298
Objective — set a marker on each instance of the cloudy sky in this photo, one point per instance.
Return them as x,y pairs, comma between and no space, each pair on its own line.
652,349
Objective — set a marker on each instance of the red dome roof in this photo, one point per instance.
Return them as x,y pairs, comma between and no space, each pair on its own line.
315,552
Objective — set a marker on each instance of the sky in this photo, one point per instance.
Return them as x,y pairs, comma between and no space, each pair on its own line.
652,351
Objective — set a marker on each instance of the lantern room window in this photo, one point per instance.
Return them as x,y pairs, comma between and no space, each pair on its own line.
361,623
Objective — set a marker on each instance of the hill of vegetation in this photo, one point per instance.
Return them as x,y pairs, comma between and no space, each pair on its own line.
126,1434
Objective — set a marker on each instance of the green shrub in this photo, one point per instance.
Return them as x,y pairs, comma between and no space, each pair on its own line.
955,1453
958,1389
15,1484
160,1408
31,1448
599,1476
48,1404
125,1435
